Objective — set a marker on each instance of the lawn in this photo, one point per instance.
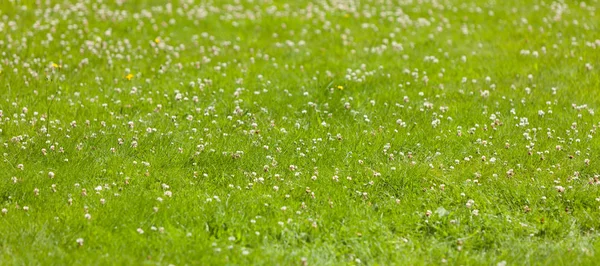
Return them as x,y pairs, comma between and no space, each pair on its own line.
326,132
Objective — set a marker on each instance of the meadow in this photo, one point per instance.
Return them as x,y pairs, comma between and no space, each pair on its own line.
323,132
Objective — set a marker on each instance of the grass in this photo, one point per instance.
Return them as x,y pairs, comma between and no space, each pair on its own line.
302,132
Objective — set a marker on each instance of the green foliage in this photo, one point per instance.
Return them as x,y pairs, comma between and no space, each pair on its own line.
370,132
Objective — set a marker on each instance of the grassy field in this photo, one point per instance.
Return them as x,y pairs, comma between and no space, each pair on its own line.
332,132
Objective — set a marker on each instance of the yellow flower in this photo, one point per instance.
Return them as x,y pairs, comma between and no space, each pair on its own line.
157,40
340,87
54,65
129,76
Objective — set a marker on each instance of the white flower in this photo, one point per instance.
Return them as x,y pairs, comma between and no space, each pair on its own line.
470,203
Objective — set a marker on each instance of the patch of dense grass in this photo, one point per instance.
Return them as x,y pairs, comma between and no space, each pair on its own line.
307,132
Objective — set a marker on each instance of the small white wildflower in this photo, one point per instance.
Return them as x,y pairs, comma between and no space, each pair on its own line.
470,203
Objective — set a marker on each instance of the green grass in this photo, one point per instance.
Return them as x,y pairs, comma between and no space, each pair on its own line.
465,132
